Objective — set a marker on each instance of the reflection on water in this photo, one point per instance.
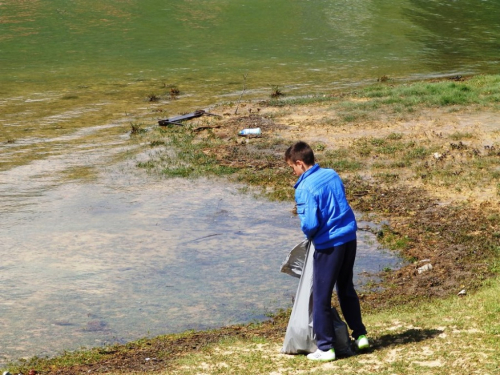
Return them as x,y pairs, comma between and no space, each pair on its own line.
454,32
129,256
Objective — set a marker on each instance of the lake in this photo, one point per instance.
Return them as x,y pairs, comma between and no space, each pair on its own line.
95,252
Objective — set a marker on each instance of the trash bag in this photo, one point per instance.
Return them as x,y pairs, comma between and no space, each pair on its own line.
294,262
343,343
299,337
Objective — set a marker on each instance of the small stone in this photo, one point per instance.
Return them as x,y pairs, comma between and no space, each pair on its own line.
424,268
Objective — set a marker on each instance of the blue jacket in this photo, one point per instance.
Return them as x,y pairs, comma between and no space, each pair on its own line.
325,215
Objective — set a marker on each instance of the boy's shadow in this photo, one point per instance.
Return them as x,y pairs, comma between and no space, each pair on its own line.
412,335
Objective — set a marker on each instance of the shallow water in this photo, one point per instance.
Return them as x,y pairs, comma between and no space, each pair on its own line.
127,256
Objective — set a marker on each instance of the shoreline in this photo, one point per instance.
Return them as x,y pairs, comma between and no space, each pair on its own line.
412,169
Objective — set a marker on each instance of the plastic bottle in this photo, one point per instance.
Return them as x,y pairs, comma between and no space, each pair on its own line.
251,131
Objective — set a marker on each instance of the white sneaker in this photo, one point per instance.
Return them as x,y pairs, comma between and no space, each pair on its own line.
320,355
362,342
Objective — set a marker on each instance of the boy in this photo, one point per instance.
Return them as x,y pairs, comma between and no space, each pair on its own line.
327,219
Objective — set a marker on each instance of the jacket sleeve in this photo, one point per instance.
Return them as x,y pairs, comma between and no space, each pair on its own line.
307,209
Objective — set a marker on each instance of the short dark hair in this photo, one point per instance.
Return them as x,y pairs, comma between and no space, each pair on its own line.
300,151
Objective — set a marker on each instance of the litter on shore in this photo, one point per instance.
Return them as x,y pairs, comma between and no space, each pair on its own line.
176,120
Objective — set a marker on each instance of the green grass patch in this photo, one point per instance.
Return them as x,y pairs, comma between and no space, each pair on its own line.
393,241
458,136
342,165
480,90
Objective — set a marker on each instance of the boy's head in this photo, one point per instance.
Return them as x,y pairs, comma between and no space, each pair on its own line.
300,157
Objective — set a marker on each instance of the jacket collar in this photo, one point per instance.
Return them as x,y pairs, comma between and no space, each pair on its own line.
311,170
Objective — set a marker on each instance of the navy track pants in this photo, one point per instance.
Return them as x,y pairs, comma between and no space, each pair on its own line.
335,266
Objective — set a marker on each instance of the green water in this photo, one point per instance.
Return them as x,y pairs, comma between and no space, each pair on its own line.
286,41
59,55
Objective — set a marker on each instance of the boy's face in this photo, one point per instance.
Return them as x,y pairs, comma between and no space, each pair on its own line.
298,167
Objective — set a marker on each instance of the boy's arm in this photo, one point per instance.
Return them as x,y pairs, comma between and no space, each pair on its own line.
307,209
